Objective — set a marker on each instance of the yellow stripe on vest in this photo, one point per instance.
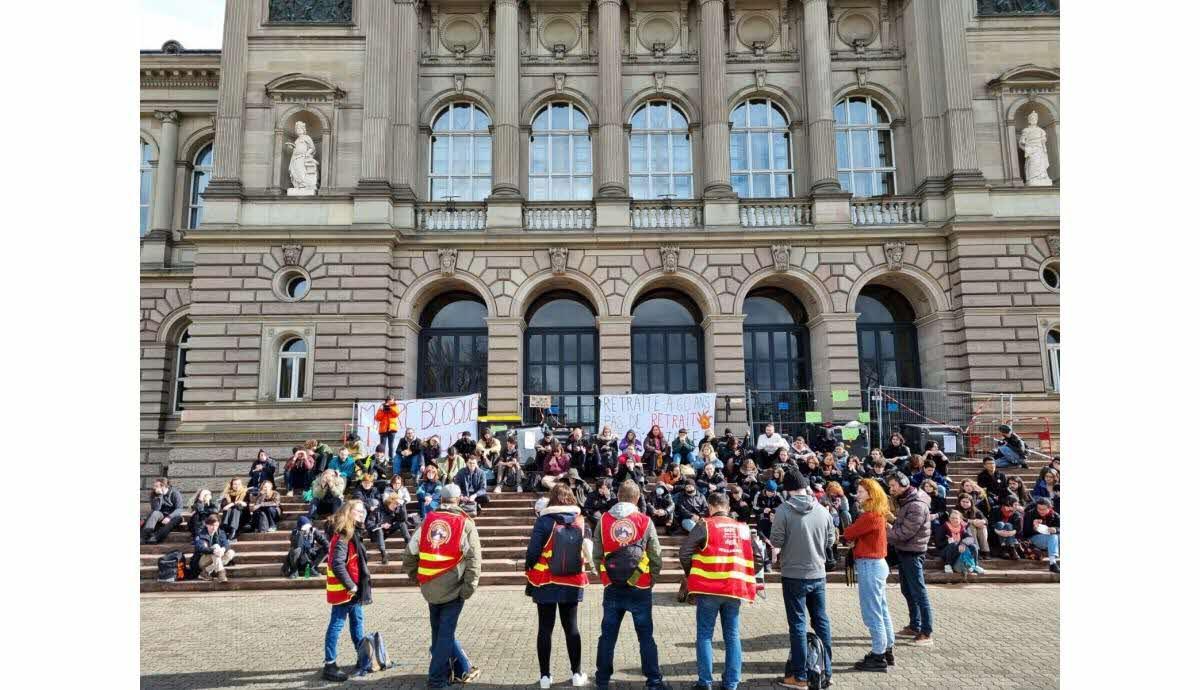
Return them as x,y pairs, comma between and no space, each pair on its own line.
431,571
435,557
728,574
334,588
738,560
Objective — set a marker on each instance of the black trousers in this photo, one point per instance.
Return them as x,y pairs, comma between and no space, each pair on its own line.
264,519
568,614
389,441
233,521
153,526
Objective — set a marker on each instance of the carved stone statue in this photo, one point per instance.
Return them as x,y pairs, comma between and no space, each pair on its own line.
558,260
670,258
781,254
303,166
894,252
1037,160
447,261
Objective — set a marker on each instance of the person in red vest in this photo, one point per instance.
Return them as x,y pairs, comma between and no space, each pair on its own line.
347,583
626,547
444,556
556,571
718,557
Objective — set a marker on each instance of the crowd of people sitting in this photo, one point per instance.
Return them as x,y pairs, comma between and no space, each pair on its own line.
992,515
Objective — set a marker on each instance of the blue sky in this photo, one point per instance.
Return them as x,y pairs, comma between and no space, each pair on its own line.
194,23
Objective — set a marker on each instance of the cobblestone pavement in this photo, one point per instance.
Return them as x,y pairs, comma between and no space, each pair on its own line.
986,636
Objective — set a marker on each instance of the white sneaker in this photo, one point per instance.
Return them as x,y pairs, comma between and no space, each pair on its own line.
545,682
498,490
979,571
948,569
579,679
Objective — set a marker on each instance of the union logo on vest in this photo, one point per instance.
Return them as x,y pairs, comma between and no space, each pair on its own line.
623,531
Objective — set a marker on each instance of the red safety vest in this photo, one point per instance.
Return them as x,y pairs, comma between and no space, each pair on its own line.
540,573
441,544
335,592
618,532
725,565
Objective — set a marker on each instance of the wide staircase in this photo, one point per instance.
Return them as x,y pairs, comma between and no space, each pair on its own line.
504,529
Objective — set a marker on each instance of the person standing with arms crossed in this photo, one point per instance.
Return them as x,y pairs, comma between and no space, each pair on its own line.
803,533
909,534
718,557
445,557
626,547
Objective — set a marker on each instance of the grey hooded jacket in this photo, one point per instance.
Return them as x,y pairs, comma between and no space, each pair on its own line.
802,531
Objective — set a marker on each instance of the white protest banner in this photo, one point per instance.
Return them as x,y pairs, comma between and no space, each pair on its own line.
445,417
692,411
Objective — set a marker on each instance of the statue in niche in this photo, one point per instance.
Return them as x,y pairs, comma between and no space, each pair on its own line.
303,166
1037,160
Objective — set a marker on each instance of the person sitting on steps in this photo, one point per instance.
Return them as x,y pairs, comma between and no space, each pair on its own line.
211,552
166,511
309,547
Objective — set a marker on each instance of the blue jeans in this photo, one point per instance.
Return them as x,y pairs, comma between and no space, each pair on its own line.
802,598
337,620
693,459
416,461
1005,526
912,586
1047,543
707,608
424,509
872,600
445,653
1007,457
638,603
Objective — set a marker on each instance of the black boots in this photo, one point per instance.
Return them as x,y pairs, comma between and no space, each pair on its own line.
889,657
333,673
872,662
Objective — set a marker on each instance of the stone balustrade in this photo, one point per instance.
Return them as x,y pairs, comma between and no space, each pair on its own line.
450,217
667,216
885,211
774,213
559,215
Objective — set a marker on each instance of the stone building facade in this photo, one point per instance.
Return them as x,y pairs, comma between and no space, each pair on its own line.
235,269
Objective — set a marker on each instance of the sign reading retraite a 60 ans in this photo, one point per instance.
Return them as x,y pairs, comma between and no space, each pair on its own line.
445,417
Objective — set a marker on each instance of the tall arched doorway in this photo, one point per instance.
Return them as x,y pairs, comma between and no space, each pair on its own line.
668,344
453,348
775,351
887,340
562,358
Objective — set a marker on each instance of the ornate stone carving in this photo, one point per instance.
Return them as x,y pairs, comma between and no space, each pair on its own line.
1054,246
670,258
447,260
660,81
894,253
311,11
165,116
861,74
460,83
291,254
303,166
1000,7
760,78
857,29
558,260
560,80
1037,159
781,254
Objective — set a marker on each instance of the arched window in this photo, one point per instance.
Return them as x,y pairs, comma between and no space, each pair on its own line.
460,159
562,358
865,155
560,154
201,174
760,156
1053,357
147,187
775,341
668,345
453,347
181,349
293,366
887,340
660,152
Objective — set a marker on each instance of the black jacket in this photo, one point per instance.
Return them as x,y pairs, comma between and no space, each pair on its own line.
404,444
465,446
265,473
1051,520
714,483
995,484
314,542
691,507
596,503
624,473
663,501
741,509
203,544
338,564
169,504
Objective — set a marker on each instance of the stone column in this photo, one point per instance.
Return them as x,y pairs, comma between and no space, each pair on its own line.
818,70
164,177
616,373
505,337
833,342
960,119
610,158
726,367
506,156
227,152
713,106
404,128
406,333
379,21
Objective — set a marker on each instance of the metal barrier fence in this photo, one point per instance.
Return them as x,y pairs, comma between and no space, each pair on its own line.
969,417
806,412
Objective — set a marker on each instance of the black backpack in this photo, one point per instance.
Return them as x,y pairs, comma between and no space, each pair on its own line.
566,558
622,564
168,565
